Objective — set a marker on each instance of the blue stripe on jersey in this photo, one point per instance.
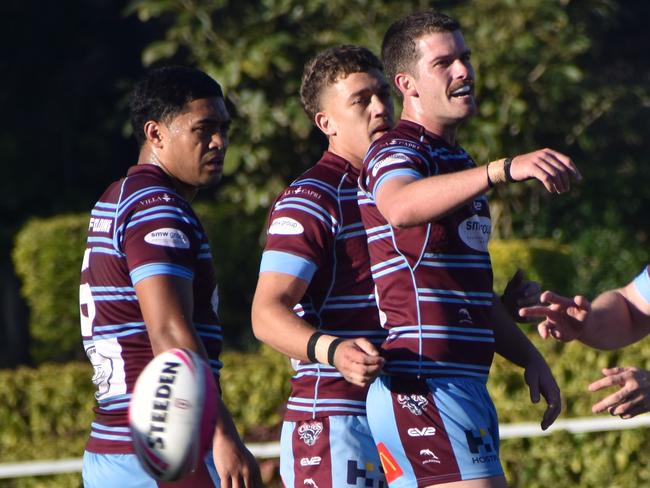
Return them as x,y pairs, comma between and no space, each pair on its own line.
125,333
642,284
107,428
111,298
487,303
456,257
400,329
438,264
127,325
302,204
284,262
393,174
205,255
444,364
160,215
318,184
116,406
142,193
456,293
125,396
165,208
107,437
455,337
101,213
155,269
104,250
101,289
108,205
328,401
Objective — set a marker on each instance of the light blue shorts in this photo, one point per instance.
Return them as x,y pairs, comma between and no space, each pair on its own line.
433,431
330,452
125,471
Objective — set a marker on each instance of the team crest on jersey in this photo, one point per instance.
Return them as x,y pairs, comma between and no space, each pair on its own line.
286,226
310,431
168,237
389,161
415,403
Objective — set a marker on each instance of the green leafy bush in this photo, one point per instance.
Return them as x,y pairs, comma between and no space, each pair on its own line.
47,258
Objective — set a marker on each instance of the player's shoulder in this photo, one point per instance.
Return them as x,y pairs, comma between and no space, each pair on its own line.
319,184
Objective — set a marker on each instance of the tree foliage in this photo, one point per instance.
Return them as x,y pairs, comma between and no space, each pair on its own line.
564,74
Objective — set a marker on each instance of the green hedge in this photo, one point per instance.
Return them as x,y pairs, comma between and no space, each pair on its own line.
47,257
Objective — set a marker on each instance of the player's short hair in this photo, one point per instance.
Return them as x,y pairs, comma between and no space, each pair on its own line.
163,93
327,67
399,50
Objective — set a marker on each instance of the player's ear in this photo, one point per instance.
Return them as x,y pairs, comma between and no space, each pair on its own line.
325,124
153,133
405,84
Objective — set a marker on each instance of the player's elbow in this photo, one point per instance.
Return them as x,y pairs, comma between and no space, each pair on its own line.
257,321
400,217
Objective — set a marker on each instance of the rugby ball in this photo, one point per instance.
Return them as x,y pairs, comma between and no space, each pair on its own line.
172,414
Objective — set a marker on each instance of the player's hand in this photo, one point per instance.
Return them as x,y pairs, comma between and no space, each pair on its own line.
519,294
632,397
540,381
358,360
552,168
235,464
564,318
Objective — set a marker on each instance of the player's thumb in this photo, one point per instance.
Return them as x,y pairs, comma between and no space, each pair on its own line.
366,346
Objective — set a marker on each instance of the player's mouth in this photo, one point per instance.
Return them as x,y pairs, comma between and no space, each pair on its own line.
379,131
465,90
214,163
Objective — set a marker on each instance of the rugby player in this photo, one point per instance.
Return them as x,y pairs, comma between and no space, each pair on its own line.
314,300
147,281
425,212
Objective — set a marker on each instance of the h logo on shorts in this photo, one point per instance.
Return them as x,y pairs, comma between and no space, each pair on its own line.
354,473
475,442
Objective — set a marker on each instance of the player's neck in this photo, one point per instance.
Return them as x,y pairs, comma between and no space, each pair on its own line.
443,130
188,192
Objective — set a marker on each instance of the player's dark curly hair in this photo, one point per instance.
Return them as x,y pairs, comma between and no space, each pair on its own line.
399,49
327,67
164,92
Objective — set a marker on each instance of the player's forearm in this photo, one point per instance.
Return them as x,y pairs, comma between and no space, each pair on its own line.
610,324
430,199
276,324
511,343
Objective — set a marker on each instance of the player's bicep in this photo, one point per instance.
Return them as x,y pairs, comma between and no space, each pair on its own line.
637,295
389,194
166,303
284,276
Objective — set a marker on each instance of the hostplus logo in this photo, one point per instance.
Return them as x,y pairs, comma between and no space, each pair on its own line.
481,445
370,476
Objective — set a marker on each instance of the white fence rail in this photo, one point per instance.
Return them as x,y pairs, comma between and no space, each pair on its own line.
272,449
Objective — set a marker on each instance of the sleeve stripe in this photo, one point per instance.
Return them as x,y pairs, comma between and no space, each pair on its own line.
642,284
155,269
392,174
284,262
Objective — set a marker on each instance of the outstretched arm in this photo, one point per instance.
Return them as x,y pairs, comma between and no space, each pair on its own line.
275,323
615,319
513,345
406,202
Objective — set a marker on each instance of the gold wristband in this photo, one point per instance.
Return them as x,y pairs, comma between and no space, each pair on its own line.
496,172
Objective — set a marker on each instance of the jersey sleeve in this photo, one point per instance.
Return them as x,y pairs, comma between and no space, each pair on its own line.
301,230
389,161
642,284
161,237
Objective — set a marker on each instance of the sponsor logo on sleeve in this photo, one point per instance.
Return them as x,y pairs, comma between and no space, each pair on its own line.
310,431
475,232
286,226
168,237
100,225
392,470
389,161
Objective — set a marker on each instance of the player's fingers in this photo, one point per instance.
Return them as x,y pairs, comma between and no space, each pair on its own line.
542,328
535,311
567,162
609,380
553,298
609,401
613,371
556,172
366,346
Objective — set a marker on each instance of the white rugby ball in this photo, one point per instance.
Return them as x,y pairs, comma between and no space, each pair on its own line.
172,414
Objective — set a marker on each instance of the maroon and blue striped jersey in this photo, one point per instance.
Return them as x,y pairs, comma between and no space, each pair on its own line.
315,233
140,227
433,281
